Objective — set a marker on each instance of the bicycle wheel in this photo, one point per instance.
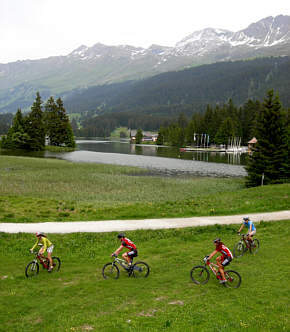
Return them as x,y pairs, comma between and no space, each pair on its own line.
255,245
32,269
199,275
140,270
56,264
239,249
110,271
233,279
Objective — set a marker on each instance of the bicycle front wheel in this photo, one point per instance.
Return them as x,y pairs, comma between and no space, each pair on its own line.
199,275
233,279
110,271
32,269
255,245
140,270
56,264
239,249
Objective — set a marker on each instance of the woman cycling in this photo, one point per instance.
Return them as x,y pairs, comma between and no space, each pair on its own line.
46,246
222,260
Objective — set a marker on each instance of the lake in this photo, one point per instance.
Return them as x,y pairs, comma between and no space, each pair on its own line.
158,159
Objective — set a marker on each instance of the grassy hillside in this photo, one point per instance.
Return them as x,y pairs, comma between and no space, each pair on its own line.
78,299
33,190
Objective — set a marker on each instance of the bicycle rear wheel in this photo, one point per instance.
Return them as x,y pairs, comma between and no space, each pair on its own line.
255,245
199,275
110,271
239,249
233,279
32,269
140,270
56,263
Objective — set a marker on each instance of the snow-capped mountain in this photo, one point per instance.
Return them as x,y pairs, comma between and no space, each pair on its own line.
101,64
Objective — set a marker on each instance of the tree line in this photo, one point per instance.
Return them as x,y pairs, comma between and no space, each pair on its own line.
32,130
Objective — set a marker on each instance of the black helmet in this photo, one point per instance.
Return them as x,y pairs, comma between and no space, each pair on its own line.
217,241
246,218
121,235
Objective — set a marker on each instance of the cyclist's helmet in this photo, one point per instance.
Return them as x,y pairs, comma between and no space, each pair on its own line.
39,234
121,235
246,218
217,241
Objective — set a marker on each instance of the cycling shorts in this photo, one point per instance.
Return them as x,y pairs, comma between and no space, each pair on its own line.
133,253
50,249
226,261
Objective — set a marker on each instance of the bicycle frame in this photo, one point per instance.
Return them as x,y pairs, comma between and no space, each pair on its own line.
213,267
121,262
42,260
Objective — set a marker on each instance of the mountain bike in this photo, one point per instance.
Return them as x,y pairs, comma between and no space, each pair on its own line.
243,245
137,270
32,268
200,275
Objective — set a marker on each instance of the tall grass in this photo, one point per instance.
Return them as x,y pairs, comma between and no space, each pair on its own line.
34,189
79,299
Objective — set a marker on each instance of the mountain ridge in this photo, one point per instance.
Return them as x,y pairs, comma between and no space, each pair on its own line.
101,64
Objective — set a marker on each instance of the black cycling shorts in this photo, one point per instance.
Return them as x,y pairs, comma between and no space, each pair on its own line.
133,253
226,261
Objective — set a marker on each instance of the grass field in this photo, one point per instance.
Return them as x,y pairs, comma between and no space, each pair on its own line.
78,299
34,189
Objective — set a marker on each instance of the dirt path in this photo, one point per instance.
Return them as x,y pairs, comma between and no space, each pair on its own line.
125,225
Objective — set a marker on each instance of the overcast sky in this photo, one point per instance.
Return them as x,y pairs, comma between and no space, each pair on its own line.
33,29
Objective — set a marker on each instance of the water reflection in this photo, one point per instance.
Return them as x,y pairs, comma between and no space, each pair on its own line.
124,147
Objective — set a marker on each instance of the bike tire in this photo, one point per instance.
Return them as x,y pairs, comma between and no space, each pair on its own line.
32,269
199,275
254,248
56,264
233,279
239,249
140,270
110,271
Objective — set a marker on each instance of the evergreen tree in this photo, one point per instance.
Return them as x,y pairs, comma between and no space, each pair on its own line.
57,124
139,136
270,157
225,132
16,137
34,125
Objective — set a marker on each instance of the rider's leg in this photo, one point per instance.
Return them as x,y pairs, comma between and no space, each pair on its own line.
50,260
127,258
221,268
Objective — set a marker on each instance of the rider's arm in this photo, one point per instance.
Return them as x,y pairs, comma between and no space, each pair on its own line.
34,245
241,228
118,250
212,254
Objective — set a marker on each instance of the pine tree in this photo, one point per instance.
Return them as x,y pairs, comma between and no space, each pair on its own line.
270,158
57,124
34,125
16,137
225,131
139,136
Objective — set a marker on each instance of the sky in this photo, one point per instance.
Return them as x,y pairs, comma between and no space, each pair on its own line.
34,29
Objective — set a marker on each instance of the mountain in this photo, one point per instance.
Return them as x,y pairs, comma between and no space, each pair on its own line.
101,64
198,86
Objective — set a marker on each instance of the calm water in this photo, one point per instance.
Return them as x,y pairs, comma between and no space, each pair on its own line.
169,161
160,151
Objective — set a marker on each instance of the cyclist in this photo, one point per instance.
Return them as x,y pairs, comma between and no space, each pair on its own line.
251,229
222,260
46,246
126,243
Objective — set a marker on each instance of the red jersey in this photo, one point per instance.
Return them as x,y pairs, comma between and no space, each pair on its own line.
225,251
128,244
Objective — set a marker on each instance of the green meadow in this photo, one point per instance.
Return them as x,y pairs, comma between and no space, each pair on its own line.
35,190
78,298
